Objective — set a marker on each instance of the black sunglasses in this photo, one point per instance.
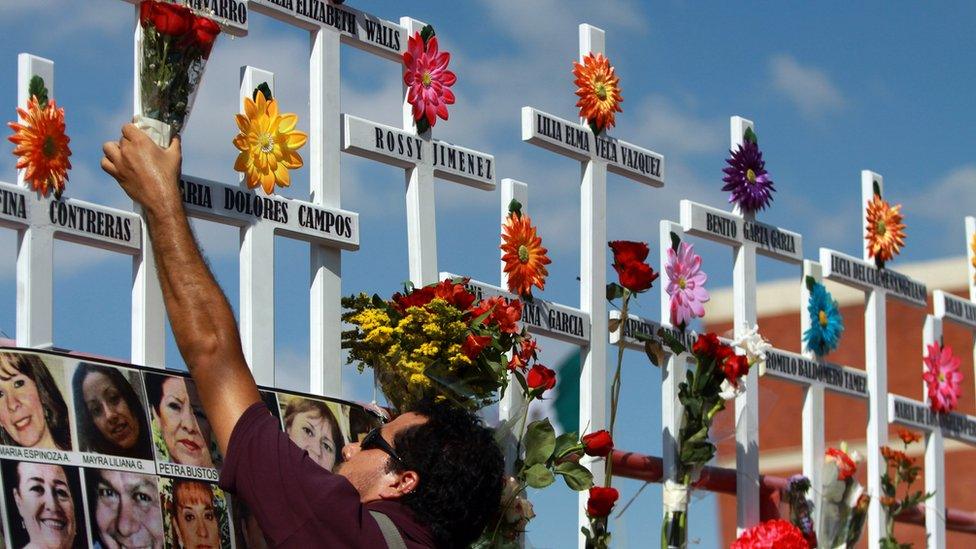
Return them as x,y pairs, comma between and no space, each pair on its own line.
374,441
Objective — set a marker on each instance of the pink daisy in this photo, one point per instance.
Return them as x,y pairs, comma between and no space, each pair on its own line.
943,378
686,284
427,79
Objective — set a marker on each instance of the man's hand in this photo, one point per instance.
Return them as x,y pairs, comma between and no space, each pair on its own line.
145,171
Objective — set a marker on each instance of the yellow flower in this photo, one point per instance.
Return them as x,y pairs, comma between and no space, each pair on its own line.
268,143
381,335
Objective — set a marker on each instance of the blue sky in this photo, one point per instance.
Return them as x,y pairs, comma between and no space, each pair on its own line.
833,88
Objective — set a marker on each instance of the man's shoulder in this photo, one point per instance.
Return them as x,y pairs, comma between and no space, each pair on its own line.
415,533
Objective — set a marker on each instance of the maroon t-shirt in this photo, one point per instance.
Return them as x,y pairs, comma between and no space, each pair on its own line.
296,502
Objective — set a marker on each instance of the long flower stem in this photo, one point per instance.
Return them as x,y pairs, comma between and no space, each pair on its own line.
615,386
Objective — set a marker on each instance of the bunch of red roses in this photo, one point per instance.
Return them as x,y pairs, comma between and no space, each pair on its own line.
176,44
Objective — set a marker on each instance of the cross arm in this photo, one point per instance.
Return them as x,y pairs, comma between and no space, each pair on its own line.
863,275
732,229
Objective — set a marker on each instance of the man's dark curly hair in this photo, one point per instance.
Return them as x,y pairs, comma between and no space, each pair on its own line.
460,468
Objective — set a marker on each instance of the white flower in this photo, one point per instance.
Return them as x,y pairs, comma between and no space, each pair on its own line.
755,348
729,391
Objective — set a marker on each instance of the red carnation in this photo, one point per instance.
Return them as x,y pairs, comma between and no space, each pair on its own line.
772,534
598,444
601,501
167,18
540,379
628,260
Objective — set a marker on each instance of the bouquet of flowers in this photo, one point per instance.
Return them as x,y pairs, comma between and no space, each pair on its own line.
899,470
175,45
843,501
436,342
771,534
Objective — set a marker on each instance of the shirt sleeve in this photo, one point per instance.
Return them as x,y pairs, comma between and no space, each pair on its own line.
284,488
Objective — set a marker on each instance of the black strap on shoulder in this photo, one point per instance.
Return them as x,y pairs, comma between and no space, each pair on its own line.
390,532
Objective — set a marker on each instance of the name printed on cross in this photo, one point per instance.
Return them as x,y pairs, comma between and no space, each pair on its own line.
91,220
636,329
549,319
13,203
797,368
300,218
577,141
717,224
231,13
462,165
860,273
349,22
917,414
954,308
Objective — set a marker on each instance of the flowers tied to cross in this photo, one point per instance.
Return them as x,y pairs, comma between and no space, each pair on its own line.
826,322
686,283
437,341
942,377
176,44
427,79
41,144
268,142
771,534
746,177
885,229
598,89
900,473
841,521
524,256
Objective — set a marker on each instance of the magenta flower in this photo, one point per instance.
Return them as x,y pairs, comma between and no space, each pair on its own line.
686,284
943,378
428,80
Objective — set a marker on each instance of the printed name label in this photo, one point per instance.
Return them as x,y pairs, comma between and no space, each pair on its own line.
716,224
116,462
230,14
917,414
637,328
797,368
858,273
97,222
188,471
13,203
954,308
362,29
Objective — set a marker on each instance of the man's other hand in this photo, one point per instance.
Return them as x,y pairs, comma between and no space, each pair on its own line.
148,173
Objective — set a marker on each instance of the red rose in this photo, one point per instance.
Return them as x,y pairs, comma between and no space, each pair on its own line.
598,444
628,261
772,534
167,18
601,501
204,34
473,345
734,368
845,465
540,379
625,251
706,344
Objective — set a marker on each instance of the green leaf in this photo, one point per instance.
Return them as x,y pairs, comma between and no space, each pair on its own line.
521,381
655,352
540,441
515,207
614,291
427,33
565,443
750,136
37,89
422,125
265,89
675,241
577,477
597,130
539,476
876,185
811,283
676,346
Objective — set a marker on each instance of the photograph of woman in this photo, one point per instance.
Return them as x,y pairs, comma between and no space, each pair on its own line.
125,510
33,413
312,425
180,428
43,506
111,417
196,515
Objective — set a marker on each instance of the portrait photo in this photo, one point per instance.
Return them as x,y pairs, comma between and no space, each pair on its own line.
317,426
33,412
181,431
124,509
110,412
44,505
194,514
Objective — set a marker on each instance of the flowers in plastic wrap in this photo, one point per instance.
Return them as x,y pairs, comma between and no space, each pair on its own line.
174,47
41,143
841,518
524,256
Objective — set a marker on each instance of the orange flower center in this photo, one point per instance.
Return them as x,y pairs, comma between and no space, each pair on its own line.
880,228
266,142
523,253
751,175
49,148
426,79
823,318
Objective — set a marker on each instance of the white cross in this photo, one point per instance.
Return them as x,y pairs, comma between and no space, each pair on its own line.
596,155
877,285
423,158
40,220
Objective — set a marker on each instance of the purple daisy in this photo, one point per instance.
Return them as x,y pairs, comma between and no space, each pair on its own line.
746,177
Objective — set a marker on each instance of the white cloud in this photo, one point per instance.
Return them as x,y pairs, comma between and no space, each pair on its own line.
809,88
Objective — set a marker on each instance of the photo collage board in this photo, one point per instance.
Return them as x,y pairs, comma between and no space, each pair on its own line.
95,453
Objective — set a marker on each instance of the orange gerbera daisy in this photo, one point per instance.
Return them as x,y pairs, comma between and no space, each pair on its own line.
972,246
525,258
42,146
886,232
598,88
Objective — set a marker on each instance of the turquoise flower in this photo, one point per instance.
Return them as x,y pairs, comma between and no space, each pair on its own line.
826,324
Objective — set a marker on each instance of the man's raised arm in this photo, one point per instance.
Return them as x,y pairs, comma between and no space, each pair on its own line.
202,320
